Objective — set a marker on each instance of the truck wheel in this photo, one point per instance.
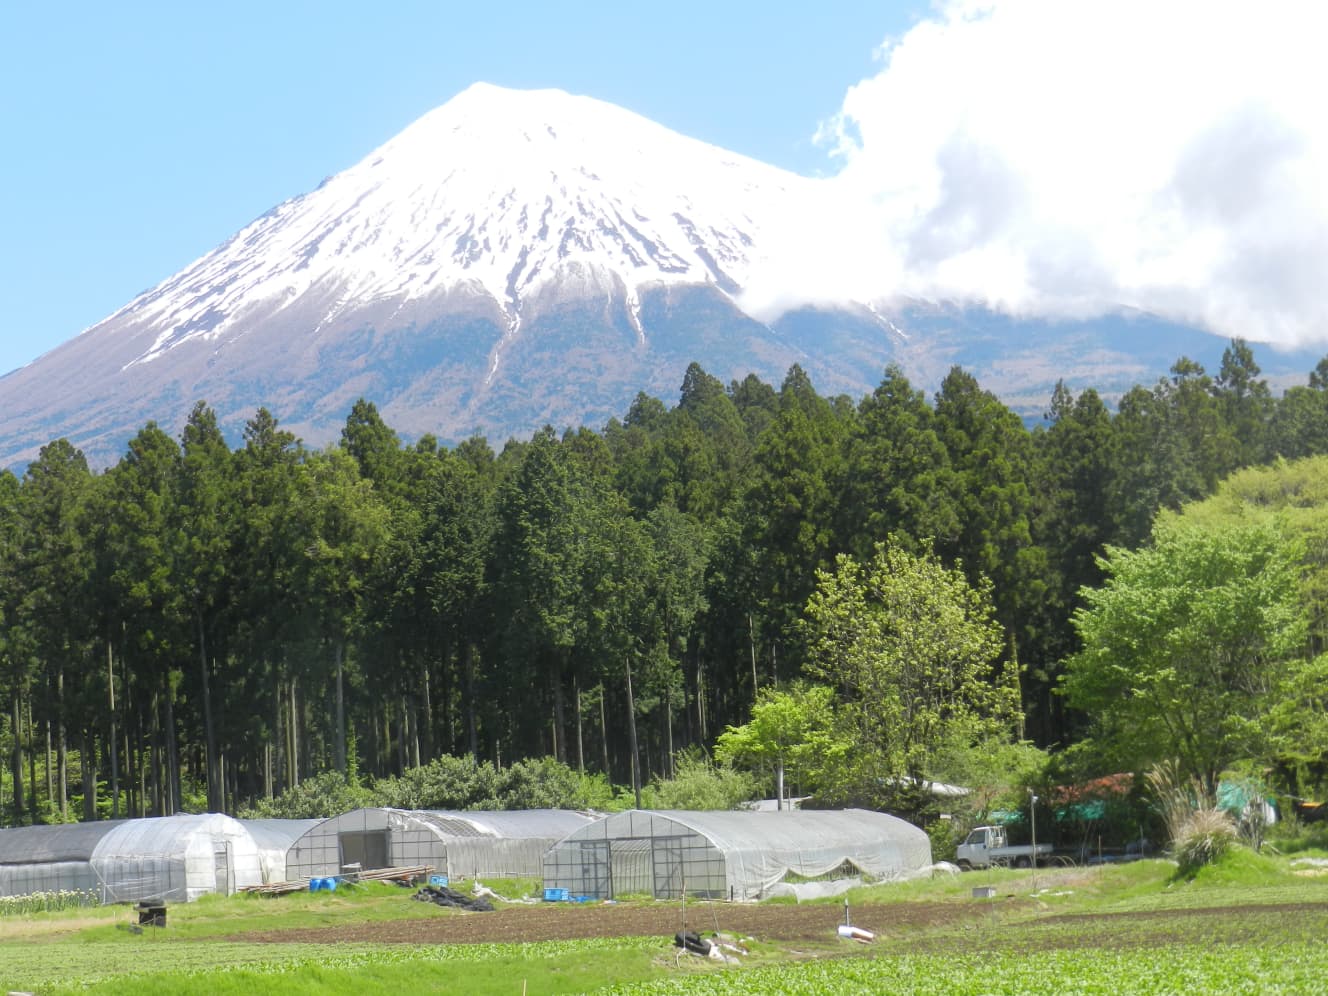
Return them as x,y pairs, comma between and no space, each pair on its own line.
1021,862
965,866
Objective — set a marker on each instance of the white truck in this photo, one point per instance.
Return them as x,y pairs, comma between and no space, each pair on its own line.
986,846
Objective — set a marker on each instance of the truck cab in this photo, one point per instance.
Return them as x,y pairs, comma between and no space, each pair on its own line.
985,840
986,846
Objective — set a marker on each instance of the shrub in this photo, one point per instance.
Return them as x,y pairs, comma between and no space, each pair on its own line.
542,783
1203,838
945,836
315,798
698,783
446,782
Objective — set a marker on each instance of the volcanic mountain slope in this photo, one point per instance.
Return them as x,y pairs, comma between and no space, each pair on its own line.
511,259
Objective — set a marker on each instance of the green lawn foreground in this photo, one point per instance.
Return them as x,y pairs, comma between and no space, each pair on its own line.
1251,925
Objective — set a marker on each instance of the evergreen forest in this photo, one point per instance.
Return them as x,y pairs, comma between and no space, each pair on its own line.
845,596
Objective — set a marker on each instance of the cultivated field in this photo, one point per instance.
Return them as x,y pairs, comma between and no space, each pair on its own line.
1252,925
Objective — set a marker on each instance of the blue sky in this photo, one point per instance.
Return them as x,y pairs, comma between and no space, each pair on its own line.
138,136
1047,158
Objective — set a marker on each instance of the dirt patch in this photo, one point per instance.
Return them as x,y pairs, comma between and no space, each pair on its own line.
559,921
911,926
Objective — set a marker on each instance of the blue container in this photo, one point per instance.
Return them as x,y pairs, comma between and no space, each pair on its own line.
438,880
556,895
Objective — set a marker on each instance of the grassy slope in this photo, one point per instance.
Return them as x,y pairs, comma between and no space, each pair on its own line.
1059,936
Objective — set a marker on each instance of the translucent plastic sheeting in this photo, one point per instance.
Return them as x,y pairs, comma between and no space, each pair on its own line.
462,844
724,854
273,839
170,858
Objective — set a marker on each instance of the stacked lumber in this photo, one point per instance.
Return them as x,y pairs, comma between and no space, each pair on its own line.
408,875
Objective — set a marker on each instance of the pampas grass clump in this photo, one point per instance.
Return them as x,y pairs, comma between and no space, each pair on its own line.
1203,838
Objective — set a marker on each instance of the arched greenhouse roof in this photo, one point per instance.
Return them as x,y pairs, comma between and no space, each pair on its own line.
55,843
738,854
461,843
169,858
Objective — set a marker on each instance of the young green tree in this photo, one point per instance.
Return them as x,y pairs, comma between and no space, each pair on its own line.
792,732
1187,644
914,653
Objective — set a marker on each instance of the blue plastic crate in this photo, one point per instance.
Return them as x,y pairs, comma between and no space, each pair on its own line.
556,895
438,880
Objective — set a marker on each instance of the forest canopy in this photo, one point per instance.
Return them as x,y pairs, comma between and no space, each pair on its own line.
209,625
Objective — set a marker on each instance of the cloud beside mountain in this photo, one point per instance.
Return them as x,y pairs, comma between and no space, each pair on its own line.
1047,158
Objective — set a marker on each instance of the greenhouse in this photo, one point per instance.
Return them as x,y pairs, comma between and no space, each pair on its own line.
168,858
503,844
273,839
736,854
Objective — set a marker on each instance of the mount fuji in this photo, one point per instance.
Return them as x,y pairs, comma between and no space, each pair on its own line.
511,259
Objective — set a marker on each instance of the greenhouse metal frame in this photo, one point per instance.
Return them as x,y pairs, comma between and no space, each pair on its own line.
460,844
730,854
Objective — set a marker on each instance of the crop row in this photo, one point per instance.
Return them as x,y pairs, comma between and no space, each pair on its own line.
1244,970
41,902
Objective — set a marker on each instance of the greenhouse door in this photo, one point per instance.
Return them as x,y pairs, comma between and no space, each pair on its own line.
221,856
367,848
594,862
666,857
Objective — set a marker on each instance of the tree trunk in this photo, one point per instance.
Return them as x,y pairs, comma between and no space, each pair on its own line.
414,709
700,702
16,759
427,752
294,758
32,763
631,728
751,637
89,768
559,710
214,789
339,650
158,795
603,736
61,744
668,732
172,752
115,742
472,727
580,734
403,733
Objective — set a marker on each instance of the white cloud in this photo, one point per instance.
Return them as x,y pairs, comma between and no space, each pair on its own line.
1070,157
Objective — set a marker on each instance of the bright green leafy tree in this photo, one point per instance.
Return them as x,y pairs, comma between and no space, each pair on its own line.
1187,645
792,732
914,653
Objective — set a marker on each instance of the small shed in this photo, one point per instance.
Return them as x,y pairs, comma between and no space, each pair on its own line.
730,854
462,844
168,858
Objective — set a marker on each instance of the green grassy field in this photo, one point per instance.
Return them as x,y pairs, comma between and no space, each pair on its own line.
1252,925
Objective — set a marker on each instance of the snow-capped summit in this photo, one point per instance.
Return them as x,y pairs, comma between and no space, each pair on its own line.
498,192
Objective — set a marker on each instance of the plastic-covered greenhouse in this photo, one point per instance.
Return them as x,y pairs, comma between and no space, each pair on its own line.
274,839
504,844
168,858
736,854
